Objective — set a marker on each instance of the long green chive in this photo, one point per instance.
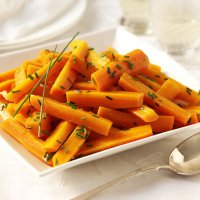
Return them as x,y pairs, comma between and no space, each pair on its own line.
44,75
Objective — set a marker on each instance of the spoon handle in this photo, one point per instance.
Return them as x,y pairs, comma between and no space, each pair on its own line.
116,181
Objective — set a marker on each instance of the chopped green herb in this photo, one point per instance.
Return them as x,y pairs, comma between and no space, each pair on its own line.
112,75
130,64
39,102
188,90
48,156
36,75
165,79
118,66
108,97
91,48
158,76
83,118
199,93
31,77
135,79
59,141
62,87
82,133
72,105
126,56
15,91
56,162
108,70
157,104
47,133
189,120
152,95
74,59
95,116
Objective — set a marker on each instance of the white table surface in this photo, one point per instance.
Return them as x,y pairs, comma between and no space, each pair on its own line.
18,183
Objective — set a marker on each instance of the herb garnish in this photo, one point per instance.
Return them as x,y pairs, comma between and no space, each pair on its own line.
152,95
118,66
82,132
72,105
15,91
108,97
31,77
91,48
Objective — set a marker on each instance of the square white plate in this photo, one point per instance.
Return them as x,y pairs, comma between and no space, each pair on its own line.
124,42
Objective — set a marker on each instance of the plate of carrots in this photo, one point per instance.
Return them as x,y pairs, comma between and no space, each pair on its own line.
71,102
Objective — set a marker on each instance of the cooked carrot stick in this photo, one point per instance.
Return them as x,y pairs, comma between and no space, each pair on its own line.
119,118
58,136
148,81
10,74
130,63
158,102
196,109
72,114
6,85
116,137
71,146
114,99
20,75
83,86
26,85
169,89
162,124
23,136
145,113
68,75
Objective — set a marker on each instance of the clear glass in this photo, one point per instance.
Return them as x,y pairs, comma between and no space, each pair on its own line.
176,24
136,15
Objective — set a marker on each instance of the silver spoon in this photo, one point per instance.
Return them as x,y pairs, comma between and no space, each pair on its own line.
183,160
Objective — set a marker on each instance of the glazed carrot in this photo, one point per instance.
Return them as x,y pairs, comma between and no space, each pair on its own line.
10,74
119,118
26,85
72,114
130,63
83,86
71,146
58,136
23,136
20,75
111,54
32,123
116,137
11,107
195,109
148,81
31,69
158,102
20,118
145,113
97,60
6,85
169,89
162,124
114,99
68,75
194,118
83,67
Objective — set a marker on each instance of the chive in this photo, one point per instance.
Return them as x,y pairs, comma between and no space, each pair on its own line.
48,156
157,104
95,116
113,56
72,105
31,77
108,70
44,75
59,141
112,75
165,79
152,95
83,118
158,76
147,77
56,162
74,59
199,93
188,90
130,64
189,120
91,48
47,133
82,133
39,102
135,79
126,56
89,145
36,75
15,91
110,98
62,87
118,66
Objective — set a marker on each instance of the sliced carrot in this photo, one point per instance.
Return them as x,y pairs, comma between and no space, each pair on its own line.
169,89
68,75
116,137
162,124
58,136
72,114
130,63
6,85
23,136
148,81
10,74
83,86
119,118
107,99
158,102
71,146
145,113
27,85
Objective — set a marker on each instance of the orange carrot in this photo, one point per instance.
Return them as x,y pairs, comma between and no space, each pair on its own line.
10,74
58,136
120,119
83,86
71,146
196,109
130,63
107,99
145,113
23,136
116,137
6,85
162,124
169,89
72,114
26,85
158,102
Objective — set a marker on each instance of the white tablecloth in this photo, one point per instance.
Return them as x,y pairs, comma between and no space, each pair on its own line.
18,183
